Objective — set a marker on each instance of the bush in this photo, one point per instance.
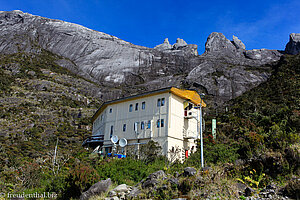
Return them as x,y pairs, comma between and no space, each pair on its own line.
292,189
150,151
80,179
128,171
216,152
5,82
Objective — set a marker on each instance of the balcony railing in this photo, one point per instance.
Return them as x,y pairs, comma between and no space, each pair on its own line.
188,114
95,139
188,134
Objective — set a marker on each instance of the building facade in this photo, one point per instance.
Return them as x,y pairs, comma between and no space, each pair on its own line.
168,116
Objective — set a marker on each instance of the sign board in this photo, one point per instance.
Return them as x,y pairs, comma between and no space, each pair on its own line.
214,128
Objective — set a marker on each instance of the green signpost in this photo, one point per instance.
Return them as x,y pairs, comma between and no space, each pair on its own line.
214,128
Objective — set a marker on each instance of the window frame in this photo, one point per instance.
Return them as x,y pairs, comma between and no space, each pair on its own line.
135,126
111,131
149,124
158,102
162,102
162,123
136,106
142,125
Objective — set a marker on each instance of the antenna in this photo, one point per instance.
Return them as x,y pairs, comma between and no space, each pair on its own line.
96,150
123,142
114,139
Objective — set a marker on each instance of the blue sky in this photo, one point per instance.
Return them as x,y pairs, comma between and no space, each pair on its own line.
259,24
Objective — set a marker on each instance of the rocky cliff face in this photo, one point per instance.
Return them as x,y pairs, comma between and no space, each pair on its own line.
95,55
227,69
293,46
224,71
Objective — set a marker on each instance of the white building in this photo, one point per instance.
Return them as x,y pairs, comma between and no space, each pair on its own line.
168,116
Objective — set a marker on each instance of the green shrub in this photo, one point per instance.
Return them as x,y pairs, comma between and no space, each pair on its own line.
215,152
186,185
150,151
80,179
5,82
122,171
292,189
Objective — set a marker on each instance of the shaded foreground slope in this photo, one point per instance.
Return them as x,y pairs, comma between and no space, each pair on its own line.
41,104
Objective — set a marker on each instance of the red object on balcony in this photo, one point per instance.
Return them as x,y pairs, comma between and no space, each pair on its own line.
186,153
185,113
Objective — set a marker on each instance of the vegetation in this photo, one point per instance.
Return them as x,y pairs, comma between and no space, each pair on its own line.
265,121
38,108
257,141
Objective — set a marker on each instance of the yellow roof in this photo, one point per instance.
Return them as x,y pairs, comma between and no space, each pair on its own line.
190,95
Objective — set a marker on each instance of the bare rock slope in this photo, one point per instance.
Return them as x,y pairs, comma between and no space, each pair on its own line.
224,71
293,46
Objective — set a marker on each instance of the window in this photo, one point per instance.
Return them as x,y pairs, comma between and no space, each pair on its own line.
158,123
110,110
136,106
158,103
162,101
124,127
162,123
135,126
143,105
149,124
130,108
142,125
111,131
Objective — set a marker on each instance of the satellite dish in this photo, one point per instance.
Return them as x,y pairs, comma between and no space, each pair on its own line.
114,139
123,142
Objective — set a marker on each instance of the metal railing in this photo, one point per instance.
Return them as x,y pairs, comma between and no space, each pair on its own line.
188,134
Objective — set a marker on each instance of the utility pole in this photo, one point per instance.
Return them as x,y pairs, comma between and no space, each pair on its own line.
201,131
201,137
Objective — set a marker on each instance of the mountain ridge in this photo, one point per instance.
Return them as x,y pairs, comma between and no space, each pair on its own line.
115,63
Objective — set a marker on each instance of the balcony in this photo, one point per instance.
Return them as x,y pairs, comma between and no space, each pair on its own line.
188,114
94,140
188,134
